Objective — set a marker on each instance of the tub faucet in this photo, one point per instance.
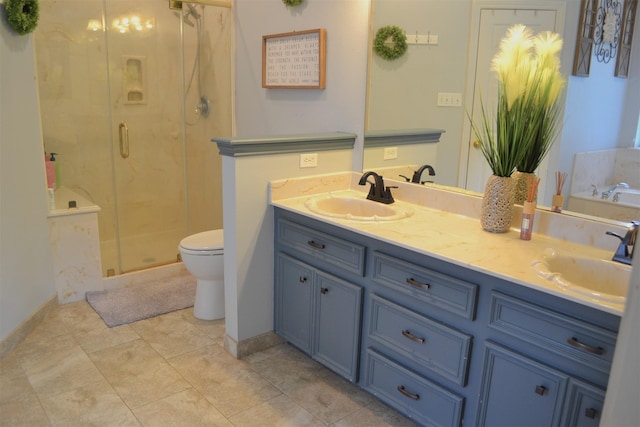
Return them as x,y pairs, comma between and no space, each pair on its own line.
624,253
417,175
377,192
606,194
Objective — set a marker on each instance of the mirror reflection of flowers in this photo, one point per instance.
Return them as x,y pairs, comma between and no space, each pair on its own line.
527,113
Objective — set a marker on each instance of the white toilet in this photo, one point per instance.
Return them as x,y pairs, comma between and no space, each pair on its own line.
203,255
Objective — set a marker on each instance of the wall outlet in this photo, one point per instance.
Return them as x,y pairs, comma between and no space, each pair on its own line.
449,99
308,160
390,153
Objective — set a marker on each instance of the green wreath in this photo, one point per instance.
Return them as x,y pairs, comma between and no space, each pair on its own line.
291,2
399,42
22,15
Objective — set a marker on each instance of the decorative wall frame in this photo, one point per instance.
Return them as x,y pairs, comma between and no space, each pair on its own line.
295,60
584,41
607,33
626,36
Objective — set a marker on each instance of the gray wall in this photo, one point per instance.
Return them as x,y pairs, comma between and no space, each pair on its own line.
26,269
248,221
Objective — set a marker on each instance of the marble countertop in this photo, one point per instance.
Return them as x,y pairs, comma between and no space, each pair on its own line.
454,237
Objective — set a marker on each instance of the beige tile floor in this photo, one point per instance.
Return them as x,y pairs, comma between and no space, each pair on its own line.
169,371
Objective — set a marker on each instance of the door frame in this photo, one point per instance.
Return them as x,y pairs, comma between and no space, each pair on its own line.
476,10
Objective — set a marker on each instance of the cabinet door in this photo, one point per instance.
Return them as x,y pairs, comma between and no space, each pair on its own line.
337,330
294,303
584,404
517,391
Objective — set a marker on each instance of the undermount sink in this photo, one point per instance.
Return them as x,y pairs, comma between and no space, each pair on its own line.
357,209
597,278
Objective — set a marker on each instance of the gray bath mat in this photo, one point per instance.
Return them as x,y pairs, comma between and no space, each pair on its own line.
121,306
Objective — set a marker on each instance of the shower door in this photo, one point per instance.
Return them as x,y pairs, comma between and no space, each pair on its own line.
114,77
146,95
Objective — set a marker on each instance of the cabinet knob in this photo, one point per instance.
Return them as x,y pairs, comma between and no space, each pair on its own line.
541,390
324,291
590,413
303,279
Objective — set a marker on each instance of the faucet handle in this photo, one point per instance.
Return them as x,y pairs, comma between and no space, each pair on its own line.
387,194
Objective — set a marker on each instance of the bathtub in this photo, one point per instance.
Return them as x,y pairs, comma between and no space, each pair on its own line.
622,205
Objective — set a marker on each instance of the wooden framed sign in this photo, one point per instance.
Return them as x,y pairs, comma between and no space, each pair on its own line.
294,60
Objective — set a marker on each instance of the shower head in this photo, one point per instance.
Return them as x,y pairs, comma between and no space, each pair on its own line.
185,19
192,11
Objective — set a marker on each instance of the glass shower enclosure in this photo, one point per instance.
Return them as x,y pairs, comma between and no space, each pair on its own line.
131,93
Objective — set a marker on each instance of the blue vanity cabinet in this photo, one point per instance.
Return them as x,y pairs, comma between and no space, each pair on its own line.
317,311
443,344
552,370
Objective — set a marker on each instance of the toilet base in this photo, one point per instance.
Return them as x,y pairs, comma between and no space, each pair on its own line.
209,303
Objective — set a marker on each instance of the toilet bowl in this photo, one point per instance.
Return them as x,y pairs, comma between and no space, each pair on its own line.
203,256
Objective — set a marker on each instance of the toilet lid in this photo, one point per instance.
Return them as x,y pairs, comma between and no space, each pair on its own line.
204,241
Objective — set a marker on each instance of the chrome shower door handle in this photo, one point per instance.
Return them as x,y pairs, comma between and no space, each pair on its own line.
123,134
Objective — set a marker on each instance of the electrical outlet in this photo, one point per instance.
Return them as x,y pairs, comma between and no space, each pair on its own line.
449,99
390,153
308,160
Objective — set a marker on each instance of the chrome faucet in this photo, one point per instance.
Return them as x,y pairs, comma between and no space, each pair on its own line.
606,194
417,175
624,253
377,192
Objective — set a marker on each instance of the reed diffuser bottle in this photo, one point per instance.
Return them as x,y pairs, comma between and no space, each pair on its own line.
558,201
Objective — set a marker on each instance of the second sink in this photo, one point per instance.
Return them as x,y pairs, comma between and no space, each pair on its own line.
600,279
357,209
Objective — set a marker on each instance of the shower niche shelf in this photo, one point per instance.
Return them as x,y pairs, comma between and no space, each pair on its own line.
135,79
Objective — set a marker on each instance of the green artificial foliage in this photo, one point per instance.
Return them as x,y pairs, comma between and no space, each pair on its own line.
292,2
520,134
399,42
22,15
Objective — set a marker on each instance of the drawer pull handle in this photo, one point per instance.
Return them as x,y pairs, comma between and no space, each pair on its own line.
589,349
541,390
315,244
324,291
410,395
590,413
303,279
414,282
412,337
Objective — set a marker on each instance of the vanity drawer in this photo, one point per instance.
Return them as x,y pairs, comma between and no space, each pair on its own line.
416,397
554,332
434,289
436,347
322,247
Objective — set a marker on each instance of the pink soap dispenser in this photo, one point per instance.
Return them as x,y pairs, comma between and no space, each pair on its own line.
50,166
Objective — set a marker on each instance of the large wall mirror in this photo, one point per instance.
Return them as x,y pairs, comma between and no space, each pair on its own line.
601,114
